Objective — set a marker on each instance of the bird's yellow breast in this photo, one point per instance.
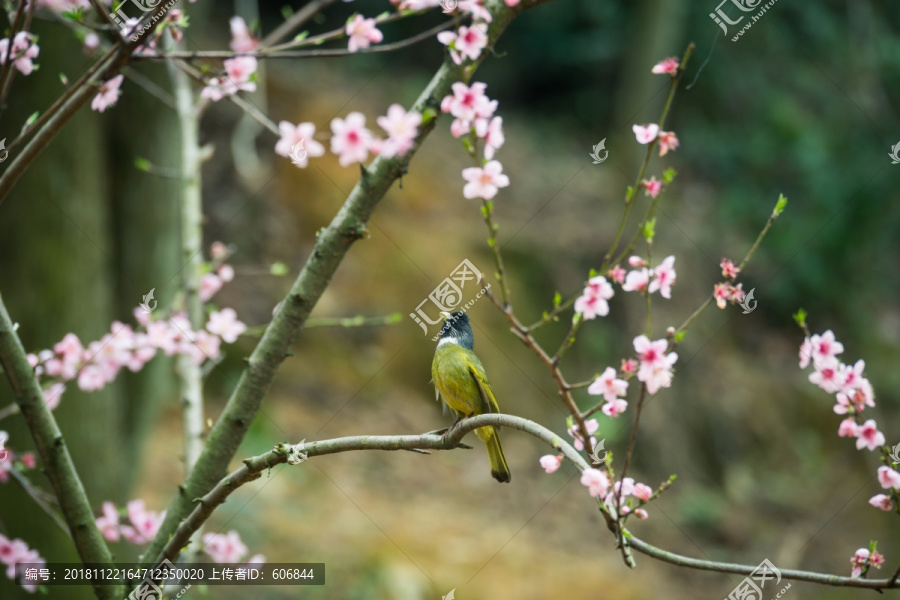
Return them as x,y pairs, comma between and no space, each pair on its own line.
450,371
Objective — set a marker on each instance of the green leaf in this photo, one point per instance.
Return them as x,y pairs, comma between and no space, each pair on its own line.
629,193
286,12
301,36
779,207
279,269
679,335
669,175
31,119
649,230
592,273
557,300
64,79
800,317
142,164
428,116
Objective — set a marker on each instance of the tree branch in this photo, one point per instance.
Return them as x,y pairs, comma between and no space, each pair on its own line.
331,246
57,462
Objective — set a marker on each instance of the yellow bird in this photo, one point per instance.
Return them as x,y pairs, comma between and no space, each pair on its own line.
460,381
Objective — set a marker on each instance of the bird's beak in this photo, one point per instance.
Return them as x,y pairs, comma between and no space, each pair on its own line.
445,314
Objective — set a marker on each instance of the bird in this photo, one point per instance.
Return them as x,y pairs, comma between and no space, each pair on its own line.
460,381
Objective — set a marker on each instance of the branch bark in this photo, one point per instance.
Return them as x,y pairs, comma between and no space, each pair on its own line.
57,462
331,246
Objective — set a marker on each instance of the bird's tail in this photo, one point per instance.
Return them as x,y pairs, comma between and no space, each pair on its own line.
499,468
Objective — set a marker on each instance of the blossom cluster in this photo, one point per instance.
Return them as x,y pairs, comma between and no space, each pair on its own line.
99,363
863,559
13,552
474,121
24,51
228,548
9,459
141,528
351,141
726,292
853,394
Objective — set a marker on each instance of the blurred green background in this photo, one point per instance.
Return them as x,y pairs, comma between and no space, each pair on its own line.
804,104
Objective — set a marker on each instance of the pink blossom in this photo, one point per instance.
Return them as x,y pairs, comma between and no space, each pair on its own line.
645,133
869,436
825,375
848,427
468,42
593,301
53,395
652,187
239,70
641,514
362,32
469,102
882,501
617,274
859,561
656,366
852,377
591,425
728,269
608,386
512,3
91,378
144,523
210,284
876,559
226,273
241,40
636,281
614,408
108,522
224,548
596,482
888,477
226,325
23,51
551,462
492,133
351,139
664,278
805,353
642,491
667,141
402,128
667,65
484,182
629,366
636,261
218,250
476,9
69,347
108,95
205,347
291,135
29,460
91,42
825,347
161,335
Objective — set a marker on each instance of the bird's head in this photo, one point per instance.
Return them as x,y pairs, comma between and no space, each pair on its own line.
456,329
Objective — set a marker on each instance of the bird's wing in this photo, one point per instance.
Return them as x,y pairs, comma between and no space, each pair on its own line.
484,387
